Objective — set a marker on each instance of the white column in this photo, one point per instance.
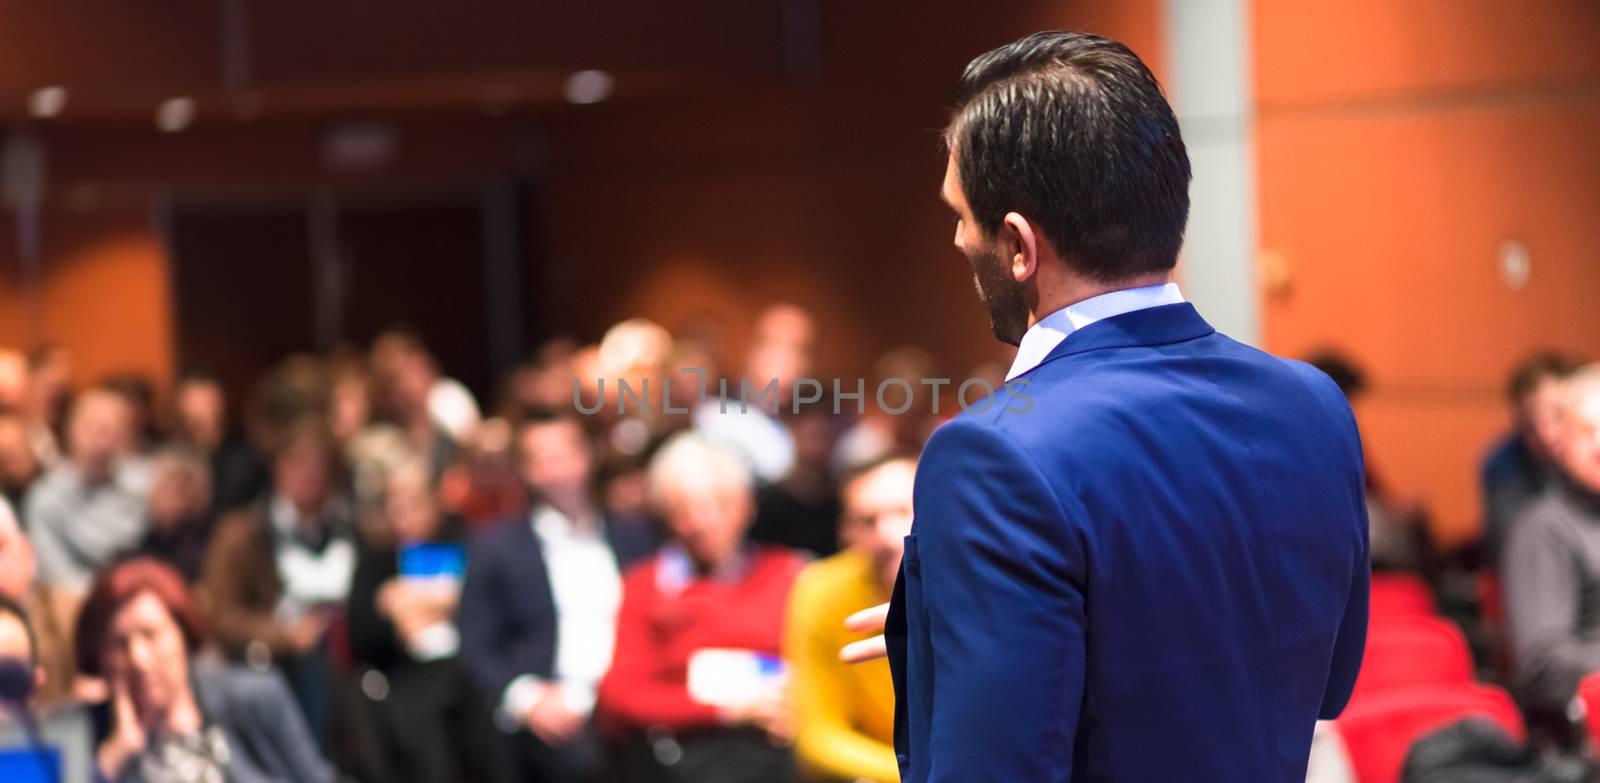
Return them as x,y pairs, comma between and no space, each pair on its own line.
1208,80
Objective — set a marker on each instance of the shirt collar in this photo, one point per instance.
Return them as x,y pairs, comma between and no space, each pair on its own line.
550,524
1050,331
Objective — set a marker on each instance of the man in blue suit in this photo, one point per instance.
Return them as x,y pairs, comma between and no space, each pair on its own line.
1146,558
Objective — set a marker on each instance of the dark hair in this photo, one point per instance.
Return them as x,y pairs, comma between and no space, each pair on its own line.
1534,369
8,606
1072,131
859,470
114,588
530,416
1344,371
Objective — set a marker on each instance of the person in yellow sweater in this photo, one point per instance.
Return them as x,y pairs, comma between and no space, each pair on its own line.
844,713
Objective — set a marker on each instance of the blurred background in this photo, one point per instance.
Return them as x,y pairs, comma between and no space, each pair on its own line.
220,183
1410,190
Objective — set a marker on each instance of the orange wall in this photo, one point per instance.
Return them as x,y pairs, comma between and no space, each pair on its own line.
1399,144
824,193
104,294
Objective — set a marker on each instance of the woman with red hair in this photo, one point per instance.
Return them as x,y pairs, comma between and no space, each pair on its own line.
175,717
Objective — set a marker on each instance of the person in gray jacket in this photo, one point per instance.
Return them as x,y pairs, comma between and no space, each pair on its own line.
1551,565
90,507
173,717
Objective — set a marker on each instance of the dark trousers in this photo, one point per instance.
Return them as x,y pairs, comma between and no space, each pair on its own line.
577,761
429,726
718,756
311,679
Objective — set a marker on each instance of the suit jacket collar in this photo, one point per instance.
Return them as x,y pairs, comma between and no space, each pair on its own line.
1173,323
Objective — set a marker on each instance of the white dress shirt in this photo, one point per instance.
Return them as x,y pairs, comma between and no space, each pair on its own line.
311,577
587,588
1044,336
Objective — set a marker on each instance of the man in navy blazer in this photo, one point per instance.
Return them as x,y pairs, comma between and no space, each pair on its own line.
538,607
1146,558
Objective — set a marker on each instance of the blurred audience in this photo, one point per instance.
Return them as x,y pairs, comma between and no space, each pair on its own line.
423,593
538,610
801,510
19,465
173,717
49,395
1398,526
89,507
50,611
427,722
180,511
1551,565
1521,465
406,378
201,423
694,692
743,413
139,392
844,713
276,574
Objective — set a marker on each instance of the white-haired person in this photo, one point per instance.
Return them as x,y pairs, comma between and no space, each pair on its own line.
695,690
1551,564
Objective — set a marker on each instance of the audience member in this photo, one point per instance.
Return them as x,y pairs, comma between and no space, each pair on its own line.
1399,537
427,722
539,606
405,377
51,611
705,609
743,415
1551,566
49,396
139,392
483,486
175,717
844,713
13,382
179,517
90,507
31,724
277,574
239,476
19,465
801,510
880,431
1519,467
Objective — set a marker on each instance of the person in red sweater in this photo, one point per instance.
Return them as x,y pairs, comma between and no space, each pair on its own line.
694,692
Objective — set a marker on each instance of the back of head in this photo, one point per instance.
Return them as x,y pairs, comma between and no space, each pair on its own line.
1071,130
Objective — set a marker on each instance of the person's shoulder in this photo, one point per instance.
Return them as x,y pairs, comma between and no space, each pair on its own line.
642,573
829,580
1546,512
233,690
52,486
494,537
782,561
239,524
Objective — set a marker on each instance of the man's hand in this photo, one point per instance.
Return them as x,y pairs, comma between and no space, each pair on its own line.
551,720
307,631
866,621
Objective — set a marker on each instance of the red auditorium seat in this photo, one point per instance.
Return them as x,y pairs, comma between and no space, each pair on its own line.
1403,651
1400,594
1380,729
1589,694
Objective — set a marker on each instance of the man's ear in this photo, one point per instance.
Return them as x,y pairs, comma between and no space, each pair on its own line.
1021,245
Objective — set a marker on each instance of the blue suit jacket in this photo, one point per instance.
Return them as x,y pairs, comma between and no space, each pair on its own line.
507,613
1146,560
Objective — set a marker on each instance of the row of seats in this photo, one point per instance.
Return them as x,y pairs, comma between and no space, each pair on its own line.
1417,677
